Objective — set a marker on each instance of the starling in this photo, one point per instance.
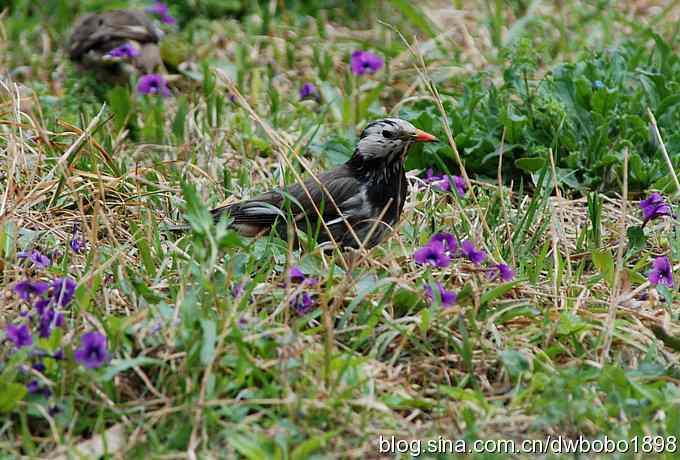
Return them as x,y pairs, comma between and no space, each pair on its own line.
367,193
100,40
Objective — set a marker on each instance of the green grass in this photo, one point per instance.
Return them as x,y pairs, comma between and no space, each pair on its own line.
569,347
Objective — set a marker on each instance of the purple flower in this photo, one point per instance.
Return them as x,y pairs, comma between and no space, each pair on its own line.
654,207
41,304
440,181
49,319
308,90
63,290
295,275
92,352
238,290
459,183
58,355
39,260
468,249
447,298
503,271
448,241
34,388
365,62
662,272
77,244
20,336
443,182
302,303
124,51
27,288
153,83
432,253
160,9
39,366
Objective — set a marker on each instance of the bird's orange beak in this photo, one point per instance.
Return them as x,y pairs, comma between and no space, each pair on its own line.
422,136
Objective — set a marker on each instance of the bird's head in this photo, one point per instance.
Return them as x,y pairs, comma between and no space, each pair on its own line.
388,139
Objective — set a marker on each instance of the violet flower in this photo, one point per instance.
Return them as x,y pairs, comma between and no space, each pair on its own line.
27,288
39,260
49,319
39,366
41,304
459,183
19,335
662,272
654,207
302,303
76,244
238,290
153,83
443,182
92,352
439,181
308,90
63,290
160,9
448,298
503,271
433,254
475,256
365,62
295,275
448,241
34,388
124,51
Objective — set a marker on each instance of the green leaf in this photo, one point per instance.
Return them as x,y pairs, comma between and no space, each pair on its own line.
197,213
117,366
249,447
396,401
10,395
604,261
209,338
515,362
416,16
636,238
303,451
665,292
571,324
180,119
497,292
530,164
425,316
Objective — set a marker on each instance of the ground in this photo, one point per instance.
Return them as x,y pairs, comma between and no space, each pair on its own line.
555,118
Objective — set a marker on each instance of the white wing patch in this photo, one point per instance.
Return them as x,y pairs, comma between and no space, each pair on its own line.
260,208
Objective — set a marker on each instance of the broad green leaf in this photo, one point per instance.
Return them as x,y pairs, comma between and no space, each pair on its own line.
530,164
10,395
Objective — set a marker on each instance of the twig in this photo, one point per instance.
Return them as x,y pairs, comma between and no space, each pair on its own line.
664,151
611,316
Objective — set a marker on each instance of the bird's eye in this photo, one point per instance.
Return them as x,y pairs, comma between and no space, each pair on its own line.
389,134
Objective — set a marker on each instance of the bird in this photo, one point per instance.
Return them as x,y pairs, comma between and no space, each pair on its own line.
96,35
359,201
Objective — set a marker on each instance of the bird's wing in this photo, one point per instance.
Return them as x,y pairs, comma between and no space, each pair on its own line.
264,210
106,30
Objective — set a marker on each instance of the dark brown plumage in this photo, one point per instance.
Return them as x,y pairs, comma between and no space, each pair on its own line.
370,185
94,35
